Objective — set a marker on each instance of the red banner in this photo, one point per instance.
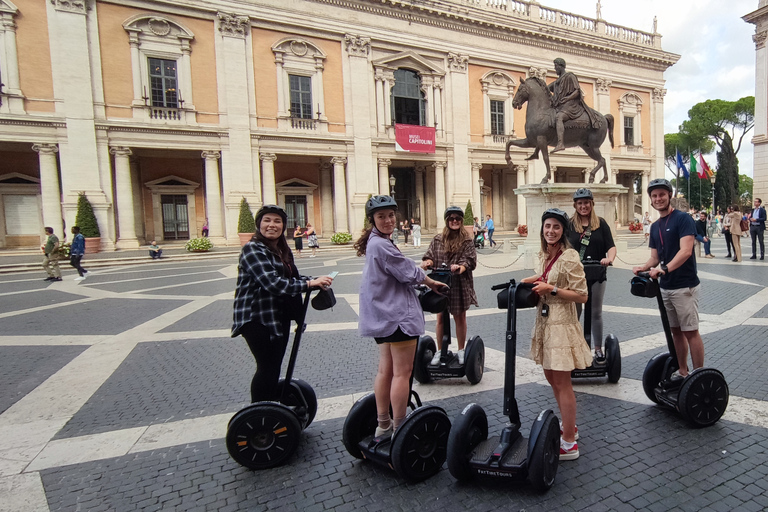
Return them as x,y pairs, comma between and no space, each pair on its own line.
414,139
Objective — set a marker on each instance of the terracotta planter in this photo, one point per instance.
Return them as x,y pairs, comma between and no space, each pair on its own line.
470,231
92,245
244,238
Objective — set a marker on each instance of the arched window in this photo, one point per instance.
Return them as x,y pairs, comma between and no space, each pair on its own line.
408,103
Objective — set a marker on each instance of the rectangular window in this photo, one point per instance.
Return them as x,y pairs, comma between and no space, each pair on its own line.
497,117
301,96
629,131
162,79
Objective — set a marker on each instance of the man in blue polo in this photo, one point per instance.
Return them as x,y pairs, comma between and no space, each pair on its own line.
671,244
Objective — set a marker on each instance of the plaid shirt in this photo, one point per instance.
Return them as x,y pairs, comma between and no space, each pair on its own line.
262,289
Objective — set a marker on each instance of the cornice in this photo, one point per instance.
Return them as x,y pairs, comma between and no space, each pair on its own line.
32,122
218,132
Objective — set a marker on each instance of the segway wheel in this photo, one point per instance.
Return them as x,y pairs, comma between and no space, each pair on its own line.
703,397
474,361
306,403
419,446
613,358
361,422
263,435
469,429
545,456
653,374
425,351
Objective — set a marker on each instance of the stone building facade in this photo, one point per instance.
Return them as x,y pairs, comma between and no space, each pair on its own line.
759,18
166,113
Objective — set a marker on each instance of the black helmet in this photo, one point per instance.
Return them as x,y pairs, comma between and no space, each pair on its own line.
451,210
556,213
379,203
271,208
583,193
660,183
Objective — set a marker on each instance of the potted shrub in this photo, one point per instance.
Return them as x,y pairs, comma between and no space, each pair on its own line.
342,238
635,227
89,227
469,220
522,230
246,224
199,245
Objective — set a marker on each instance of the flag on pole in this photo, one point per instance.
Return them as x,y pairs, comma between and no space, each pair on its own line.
694,170
680,164
705,167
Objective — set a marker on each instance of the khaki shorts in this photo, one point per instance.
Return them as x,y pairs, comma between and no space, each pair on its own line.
682,307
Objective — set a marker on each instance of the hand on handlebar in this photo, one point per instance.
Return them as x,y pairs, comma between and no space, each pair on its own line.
426,264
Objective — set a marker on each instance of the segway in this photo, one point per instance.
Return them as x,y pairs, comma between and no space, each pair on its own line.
509,456
449,366
702,396
612,364
265,434
417,449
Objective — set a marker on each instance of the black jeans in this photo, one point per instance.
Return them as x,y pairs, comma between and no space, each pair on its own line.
728,241
756,232
268,352
74,260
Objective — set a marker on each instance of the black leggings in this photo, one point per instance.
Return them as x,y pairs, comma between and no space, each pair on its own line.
268,352
728,241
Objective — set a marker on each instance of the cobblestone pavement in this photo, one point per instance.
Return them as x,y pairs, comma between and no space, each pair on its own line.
115,393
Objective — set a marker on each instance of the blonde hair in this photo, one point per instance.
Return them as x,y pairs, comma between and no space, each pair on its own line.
454,238
594,220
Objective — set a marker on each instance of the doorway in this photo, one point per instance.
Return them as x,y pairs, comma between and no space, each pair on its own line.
405,192
296,208
175,217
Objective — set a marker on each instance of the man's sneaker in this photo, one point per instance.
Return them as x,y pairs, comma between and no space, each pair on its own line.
384,432
80,278
56,279
571,453
436,359
460,353
709,256
86,274
676,375
576,433
51,278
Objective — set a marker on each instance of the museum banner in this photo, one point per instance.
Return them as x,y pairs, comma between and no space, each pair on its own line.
414,139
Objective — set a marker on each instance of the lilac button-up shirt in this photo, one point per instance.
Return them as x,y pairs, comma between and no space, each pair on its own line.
388,299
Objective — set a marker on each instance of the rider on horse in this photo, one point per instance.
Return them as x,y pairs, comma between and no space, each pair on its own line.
568,103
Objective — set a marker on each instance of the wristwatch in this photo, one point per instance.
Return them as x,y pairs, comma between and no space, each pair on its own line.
665,269
554,291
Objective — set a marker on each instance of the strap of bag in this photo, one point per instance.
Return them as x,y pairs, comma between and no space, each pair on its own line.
587,234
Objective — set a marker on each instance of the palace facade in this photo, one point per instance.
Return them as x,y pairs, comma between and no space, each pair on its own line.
167,113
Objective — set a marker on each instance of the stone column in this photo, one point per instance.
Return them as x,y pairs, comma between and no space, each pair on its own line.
586,174
476,187
381,127
521,170
49,187
340,194
126,217
15,102
384,176
631,198
496,206
326,197
439,188
389,83
553,174
269,193
614,177
213,196
418,173
438,87
646,201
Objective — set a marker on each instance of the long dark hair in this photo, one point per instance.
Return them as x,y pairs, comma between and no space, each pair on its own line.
453,239
277,247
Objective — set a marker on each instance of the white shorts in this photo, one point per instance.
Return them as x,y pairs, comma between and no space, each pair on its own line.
682,307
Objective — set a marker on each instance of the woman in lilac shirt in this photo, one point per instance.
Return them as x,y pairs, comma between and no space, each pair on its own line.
387,287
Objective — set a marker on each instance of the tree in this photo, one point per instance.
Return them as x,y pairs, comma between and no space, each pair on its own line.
684,143
724,122
246,223
469,216
745,190
85,218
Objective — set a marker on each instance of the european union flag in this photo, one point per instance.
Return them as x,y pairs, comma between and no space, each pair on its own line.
681,165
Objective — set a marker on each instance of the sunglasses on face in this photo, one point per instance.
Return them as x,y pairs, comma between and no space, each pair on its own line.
455,219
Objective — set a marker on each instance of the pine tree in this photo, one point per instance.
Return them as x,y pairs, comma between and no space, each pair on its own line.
246,222
469,217
85,219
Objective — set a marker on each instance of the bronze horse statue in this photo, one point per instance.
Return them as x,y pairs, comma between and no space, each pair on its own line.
540,128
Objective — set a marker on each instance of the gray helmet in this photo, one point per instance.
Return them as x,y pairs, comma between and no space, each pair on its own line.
556,213
271,208
379,203
583,193
453,210
659,183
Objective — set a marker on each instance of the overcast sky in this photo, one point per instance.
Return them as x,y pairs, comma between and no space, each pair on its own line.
717,53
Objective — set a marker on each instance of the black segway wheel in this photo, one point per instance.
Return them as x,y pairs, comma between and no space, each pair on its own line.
703,397
425,351
303,398
469,429
653,373
263,435
545,456
419,446
361,422
612,358
474,360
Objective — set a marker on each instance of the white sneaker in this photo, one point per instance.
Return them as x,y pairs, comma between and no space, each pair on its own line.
380,432
80,278
460,353
86,274
436,359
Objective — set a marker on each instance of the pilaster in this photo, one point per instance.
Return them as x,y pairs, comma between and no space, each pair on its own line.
340,194
49,187
126,235
213,206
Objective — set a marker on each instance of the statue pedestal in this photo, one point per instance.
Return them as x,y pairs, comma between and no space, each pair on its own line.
540,197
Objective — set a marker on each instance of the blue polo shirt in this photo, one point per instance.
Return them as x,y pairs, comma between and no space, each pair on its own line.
665,238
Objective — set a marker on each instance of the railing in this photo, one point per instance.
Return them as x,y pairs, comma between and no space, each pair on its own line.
500,139
165,114
303,124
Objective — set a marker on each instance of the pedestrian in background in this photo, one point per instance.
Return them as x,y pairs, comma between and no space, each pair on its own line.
155,251
76,253
416,232
205,228
701,234
490,227
727,219
312,239
736,231
646,226
757,219
51,260
298,239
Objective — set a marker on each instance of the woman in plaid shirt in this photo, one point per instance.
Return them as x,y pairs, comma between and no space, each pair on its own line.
268,297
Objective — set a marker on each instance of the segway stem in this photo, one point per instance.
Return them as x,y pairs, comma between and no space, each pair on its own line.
510,402
300,327
665,324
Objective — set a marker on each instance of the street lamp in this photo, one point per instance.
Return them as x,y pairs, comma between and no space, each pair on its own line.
481,182
392,181
712,179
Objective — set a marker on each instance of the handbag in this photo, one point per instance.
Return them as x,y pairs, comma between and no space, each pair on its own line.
325,299
744,225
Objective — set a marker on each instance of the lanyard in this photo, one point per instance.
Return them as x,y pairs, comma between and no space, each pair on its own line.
544,276
665,227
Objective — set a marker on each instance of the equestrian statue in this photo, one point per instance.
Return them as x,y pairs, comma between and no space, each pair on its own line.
557,116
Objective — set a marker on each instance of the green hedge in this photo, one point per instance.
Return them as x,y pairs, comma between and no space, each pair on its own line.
246,223
85,219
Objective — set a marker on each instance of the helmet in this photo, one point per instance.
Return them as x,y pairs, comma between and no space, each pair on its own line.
379,203
583,193
453,210
271,208
556,213
659,183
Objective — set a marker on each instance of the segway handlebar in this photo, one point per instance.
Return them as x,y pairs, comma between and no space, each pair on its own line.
644,274
502,285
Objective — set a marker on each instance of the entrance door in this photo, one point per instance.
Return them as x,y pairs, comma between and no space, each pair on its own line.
296,208
175,217
405,192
